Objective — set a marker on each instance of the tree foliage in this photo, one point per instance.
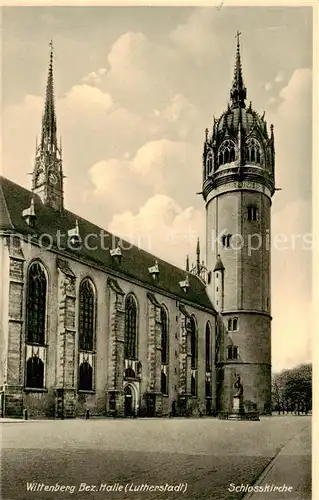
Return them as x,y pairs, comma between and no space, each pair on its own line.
292,390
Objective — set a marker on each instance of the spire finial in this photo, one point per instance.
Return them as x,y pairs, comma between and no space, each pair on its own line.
187,263
49,138
238,91
198,257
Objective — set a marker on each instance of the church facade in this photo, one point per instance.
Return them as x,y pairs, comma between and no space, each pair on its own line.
91,322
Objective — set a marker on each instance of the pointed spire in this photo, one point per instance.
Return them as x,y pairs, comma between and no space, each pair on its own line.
49,137
47,174
238,90
198,257
187,263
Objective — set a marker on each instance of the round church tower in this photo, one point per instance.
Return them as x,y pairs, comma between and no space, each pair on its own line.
238,183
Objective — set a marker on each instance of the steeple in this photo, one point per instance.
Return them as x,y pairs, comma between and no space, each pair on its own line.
187,263
238,91
47,175
198,267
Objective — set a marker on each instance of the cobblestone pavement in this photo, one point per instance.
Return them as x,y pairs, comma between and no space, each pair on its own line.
207,455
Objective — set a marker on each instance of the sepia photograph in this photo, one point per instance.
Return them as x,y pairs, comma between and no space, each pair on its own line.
156,251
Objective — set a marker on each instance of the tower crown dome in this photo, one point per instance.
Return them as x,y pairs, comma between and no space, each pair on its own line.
239,145
249,119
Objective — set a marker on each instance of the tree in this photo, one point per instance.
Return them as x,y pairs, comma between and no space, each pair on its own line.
292,390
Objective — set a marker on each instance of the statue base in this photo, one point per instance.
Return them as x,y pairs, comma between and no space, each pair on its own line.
238,406
238,411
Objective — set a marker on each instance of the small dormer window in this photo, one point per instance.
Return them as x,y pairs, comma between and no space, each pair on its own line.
154,270
29,214
226,153
74,235
184,284
116,254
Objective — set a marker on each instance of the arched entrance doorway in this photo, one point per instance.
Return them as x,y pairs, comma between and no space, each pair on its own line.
128,401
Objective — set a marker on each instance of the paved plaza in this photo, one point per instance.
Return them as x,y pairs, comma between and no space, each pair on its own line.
196,458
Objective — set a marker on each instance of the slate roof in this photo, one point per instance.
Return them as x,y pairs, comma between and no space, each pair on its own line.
135,262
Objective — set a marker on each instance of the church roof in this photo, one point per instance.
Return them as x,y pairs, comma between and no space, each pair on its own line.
134,263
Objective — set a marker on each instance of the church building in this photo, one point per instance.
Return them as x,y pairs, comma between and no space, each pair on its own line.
90,322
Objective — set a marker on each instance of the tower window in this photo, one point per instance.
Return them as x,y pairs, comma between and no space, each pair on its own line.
209,277
252,212
232,324
226,240
232,352
226,153
253,151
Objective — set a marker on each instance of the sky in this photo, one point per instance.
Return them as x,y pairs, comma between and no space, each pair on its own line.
135,89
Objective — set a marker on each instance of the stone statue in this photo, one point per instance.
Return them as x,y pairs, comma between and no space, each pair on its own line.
239,388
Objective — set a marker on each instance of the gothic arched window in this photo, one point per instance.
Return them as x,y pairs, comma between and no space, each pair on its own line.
86,377
193,333
130,336
208,348
226,153
35,373
87,316
253,151
164,340
36,304
209,164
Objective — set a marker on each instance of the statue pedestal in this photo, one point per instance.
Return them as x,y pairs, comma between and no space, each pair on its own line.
238,406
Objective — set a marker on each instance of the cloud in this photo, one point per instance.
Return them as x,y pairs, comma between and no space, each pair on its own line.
87,100
280,77
292,120
156,167
95,77
162,227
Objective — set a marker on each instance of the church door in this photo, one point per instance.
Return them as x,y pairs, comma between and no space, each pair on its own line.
128,402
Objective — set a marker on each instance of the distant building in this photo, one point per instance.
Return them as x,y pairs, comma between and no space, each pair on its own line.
91,322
